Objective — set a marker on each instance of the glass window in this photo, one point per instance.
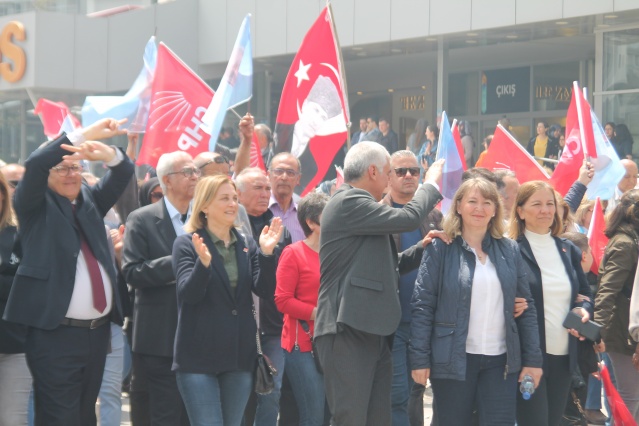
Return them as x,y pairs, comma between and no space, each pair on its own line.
622,109
621,60
463,94
553,85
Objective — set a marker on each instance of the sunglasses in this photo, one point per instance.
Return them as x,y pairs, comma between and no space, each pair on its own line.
401,171
156,195
220,159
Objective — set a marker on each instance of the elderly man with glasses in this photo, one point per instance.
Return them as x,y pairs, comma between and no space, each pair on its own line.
148,243
212,163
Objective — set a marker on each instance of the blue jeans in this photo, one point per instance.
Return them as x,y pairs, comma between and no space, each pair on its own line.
268,406
215,399
308,387
111,389
402,380
485,386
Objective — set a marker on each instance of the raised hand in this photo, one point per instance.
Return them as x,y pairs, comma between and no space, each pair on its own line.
435,171
104,129
89,150
202,250
271,236
247,125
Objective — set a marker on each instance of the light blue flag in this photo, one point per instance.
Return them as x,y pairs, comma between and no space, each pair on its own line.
134,105
608,168
236,86
453,169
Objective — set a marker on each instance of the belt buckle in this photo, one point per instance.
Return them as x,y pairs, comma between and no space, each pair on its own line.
95,323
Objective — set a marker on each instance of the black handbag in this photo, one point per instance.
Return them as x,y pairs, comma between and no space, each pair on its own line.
264,370
307,330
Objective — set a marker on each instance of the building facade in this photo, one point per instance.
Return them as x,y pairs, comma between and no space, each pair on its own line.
479,60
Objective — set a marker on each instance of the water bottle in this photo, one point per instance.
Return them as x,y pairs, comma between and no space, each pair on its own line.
527,387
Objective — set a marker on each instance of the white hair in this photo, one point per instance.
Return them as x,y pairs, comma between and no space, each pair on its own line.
361,156
166,163
240,180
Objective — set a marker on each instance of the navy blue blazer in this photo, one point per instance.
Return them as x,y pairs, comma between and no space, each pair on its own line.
216,328
571,257
50,238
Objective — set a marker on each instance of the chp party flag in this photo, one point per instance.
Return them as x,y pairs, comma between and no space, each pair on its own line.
597,240
608,168
134,105
236,86
453,166
458,144
313,113
177,106
56,117
505,153
579,139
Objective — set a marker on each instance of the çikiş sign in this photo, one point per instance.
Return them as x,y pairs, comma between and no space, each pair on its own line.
13,60
504,91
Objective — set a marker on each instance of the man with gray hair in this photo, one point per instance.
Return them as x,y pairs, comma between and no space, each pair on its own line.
146,265
358,308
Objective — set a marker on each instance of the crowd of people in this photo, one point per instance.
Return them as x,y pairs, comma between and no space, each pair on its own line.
358,296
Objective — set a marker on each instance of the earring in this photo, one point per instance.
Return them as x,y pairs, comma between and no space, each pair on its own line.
206,216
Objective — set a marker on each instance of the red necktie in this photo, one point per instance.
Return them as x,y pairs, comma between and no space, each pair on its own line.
97,285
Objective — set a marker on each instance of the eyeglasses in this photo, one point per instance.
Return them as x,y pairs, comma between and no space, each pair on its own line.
66,170
187,172
401,171
220,159
156,195
289,172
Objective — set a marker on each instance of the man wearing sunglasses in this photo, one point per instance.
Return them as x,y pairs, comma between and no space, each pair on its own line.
148,244
65,289
212,163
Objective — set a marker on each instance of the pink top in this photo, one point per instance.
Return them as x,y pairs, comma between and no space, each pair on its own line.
298,280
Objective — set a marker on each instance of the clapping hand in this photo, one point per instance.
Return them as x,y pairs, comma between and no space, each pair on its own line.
202,250
271,236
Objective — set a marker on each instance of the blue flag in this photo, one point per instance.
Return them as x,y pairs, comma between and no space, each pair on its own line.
134,105
453,169
236,86
608,168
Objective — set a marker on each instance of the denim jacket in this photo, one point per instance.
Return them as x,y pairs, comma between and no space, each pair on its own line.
441,307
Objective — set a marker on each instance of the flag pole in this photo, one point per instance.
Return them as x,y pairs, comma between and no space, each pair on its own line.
342,73
582,136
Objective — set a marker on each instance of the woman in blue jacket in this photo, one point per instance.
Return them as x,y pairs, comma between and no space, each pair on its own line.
217,269
556,280
464,336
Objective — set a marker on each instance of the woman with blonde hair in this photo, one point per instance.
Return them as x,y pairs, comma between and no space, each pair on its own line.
464,336
556,279
15,378
217,269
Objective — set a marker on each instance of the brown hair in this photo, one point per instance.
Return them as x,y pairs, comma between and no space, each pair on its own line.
205,191
453,224
583,208
625,216
7,216
526,190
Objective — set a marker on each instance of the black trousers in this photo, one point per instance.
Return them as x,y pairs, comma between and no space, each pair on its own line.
547,404
155,398
358,373
67,365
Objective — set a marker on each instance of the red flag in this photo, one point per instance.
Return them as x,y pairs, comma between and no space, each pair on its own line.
55,117
579,137
311,120
339,180
256,154
458,144
597,240
620,412
505,152
179,101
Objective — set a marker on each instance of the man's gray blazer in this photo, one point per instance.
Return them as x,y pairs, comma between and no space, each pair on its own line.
358,259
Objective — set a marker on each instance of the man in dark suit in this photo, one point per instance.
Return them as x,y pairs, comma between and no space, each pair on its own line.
148,243
358,308
65,288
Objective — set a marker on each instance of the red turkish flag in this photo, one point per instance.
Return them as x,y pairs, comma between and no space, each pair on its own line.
458,144
55,117
505,152
597,240
313,112
579,137
179,101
